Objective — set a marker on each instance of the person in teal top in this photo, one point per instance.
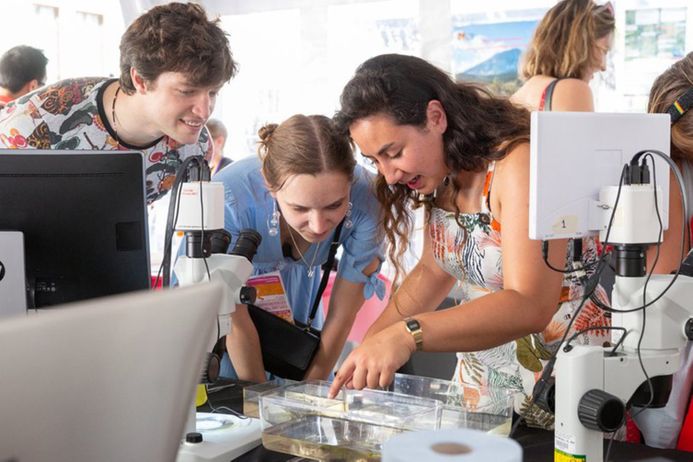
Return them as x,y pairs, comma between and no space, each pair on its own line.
303,184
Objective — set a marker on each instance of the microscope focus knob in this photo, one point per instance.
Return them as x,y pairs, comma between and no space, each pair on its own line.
601,411
688,329
194,438
248,295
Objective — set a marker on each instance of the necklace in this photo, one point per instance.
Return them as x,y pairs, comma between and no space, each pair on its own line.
311,267
115,129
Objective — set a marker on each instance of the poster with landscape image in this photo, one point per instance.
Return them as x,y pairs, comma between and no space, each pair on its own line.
488,51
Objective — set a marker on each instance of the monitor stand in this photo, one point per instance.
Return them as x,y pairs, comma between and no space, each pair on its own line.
12,275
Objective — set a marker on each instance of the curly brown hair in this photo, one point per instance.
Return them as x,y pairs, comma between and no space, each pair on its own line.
666,89
481,128
563,44
176,37
303,145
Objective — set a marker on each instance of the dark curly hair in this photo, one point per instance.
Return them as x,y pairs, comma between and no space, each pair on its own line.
176,37
481,128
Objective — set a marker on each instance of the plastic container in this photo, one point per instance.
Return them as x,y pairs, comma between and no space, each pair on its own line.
464,406
251,394
300,419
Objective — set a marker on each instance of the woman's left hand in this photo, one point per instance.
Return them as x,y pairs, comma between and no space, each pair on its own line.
374,363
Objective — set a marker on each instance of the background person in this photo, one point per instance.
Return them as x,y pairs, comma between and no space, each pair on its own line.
219,134
173,62
568,47
467,153
672,93
304,183
22,69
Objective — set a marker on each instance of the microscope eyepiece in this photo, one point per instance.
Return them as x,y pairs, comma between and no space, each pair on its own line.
247,243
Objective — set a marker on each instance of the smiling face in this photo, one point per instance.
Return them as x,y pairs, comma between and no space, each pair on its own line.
313,205
176,108
405,154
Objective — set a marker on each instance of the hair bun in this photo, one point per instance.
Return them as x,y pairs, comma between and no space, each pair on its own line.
265,133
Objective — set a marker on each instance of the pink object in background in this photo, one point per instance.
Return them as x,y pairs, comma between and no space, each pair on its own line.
157,283
368,313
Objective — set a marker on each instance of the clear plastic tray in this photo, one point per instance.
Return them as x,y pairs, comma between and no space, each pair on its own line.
300,419
294,401
464,406
251,394
328,438
408,412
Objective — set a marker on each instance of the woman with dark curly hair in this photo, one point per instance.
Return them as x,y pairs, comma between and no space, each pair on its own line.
568,47
464,155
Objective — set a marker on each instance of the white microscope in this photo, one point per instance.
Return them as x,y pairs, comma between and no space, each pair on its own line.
594,384
198,208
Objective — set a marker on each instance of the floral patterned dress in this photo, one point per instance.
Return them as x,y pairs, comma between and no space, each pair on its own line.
471,252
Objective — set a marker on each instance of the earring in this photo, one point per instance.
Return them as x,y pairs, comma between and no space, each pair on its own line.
446,180
347,218
273,222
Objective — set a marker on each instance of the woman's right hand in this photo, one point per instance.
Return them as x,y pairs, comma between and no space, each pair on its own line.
373,363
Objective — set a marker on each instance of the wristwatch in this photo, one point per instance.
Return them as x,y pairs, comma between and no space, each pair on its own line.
414,328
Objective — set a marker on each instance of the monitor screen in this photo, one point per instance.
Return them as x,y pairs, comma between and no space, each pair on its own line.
574,154
84,220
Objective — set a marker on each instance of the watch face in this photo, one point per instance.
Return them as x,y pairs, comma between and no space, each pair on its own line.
413,324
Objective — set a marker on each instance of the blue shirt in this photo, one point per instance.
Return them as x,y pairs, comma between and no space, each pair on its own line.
248,204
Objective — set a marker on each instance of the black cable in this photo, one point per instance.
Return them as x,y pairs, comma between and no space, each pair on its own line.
168,240
592,284
685,235
644,290
567,346
645,303
172,218
684,231
226,409
590,287
576,260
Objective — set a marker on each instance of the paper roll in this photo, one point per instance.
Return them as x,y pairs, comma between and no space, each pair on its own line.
451,446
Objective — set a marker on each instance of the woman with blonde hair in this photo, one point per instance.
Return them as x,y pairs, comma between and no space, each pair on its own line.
569,46
303,184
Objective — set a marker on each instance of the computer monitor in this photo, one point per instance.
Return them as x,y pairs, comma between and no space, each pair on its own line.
104,380
574,154
84,220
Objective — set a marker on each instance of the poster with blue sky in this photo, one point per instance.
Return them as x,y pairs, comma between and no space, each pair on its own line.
489,52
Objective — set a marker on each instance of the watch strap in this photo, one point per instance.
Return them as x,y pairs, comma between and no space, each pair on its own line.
414,328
